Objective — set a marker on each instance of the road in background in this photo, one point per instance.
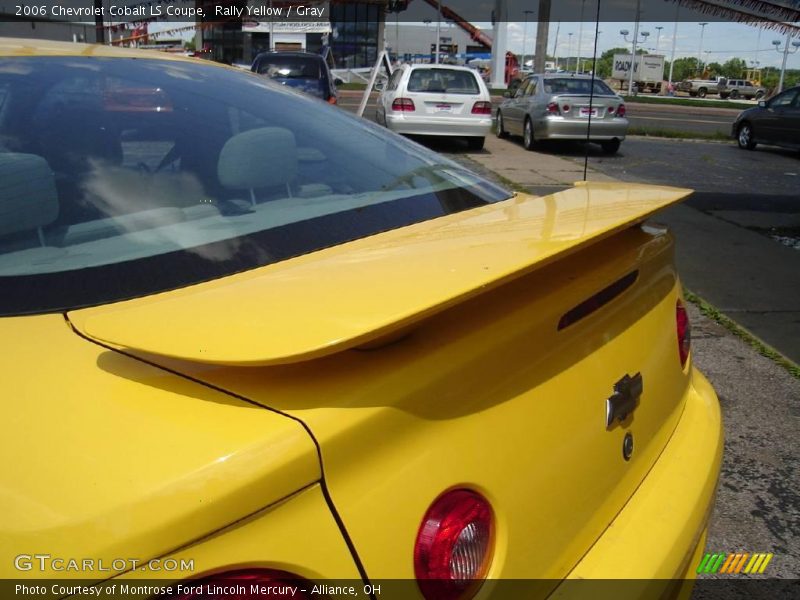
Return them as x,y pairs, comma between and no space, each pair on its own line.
704,121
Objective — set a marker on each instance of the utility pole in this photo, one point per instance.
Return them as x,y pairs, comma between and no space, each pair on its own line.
542,32
700,51
100,29
525,35
438,29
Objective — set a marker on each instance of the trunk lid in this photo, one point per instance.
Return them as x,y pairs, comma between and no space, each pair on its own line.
580,106
483,348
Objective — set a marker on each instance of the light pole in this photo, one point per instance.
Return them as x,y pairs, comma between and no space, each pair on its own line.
555,46
569,48
658,36
525,35
427,22
580,40
674,41
786,54
438,29
700,51
634,41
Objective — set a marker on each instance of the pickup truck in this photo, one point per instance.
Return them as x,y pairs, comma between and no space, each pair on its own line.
702,87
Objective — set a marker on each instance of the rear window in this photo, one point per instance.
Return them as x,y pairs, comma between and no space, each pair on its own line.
447,81
125,177
576,86
290,67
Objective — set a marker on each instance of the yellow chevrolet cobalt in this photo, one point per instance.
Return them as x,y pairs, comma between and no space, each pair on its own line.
250,342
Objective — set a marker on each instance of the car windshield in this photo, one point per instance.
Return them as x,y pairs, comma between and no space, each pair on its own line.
290,67
448,81
125,177
568,85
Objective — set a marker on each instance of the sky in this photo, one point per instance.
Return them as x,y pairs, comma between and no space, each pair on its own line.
721,41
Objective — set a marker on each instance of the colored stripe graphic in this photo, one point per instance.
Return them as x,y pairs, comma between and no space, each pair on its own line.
735,564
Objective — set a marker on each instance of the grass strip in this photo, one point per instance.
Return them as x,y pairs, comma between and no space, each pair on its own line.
748,338
677,134
686,102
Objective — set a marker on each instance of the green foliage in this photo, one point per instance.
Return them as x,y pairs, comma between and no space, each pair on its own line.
685,68
734,68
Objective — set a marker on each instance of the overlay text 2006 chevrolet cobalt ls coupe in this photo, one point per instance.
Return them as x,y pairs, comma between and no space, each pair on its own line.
255,338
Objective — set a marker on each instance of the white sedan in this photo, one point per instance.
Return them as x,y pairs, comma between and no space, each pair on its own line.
437,100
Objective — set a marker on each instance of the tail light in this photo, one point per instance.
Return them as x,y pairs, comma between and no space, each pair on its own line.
553,109
565,108
243,584
332,100
454,546
611,110
621,110
403,105
482,108
684,329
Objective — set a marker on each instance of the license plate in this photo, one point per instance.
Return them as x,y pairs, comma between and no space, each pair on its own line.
444,107
585,112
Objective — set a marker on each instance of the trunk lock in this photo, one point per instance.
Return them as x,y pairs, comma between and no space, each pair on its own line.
627,446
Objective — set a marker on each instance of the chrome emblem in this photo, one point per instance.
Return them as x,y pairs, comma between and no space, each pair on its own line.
624,399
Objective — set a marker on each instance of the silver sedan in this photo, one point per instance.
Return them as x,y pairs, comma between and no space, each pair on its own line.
561,106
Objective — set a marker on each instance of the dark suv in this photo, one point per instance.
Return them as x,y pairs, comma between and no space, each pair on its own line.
303,70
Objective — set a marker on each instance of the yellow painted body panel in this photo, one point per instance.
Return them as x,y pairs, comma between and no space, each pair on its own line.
656,534
298,535
108,457
489,395
38,47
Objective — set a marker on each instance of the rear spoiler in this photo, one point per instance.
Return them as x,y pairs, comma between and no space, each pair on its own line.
349,295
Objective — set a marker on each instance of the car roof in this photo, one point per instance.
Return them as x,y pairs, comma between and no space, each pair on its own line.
439,66
289,53
32,47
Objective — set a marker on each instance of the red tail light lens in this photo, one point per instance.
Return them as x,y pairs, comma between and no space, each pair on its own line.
403,105
684,329
454,546
621,110
610,110
482,108
244,584
553,109
565,108
332,100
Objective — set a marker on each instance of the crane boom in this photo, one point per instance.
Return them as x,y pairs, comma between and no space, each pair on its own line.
474,33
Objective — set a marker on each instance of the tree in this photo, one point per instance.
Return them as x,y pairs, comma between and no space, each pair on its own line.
685,68
734,68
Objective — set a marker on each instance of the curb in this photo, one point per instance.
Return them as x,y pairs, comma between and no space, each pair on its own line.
748,337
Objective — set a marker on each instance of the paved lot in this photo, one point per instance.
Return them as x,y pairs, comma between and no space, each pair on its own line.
758,501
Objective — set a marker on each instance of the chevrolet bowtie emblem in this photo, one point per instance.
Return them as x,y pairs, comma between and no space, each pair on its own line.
624,399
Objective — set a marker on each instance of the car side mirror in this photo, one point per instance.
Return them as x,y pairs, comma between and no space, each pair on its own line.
379,85
506,94
338,81
762,103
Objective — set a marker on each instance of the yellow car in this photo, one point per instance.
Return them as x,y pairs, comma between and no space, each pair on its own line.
253,343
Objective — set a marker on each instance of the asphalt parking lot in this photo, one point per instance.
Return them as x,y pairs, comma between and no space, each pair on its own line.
728,255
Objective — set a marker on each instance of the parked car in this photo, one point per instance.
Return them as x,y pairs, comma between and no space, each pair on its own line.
564,107
436,100
701,88
256,340
302,70
775,122
742,88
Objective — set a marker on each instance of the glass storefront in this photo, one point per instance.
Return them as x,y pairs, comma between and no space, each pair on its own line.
356,34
